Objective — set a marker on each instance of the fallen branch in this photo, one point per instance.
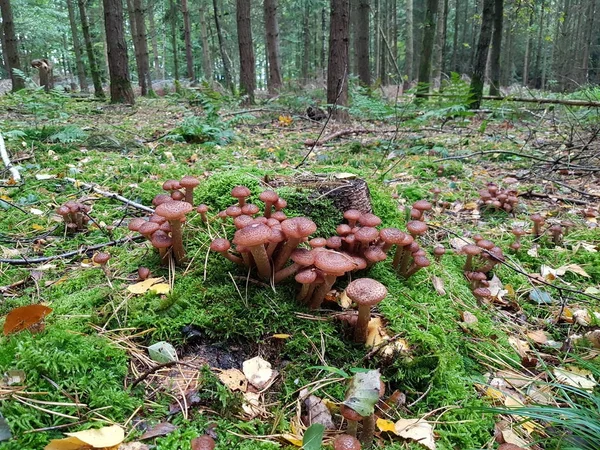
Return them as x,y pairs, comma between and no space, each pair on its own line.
109,194
576,201
555,101
82,250
492,152
338,134
16,176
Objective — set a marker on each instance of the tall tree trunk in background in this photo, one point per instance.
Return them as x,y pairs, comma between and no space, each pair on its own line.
118,64
173,23
539,46
409,43
3,60
136,50
337,66
455,49
427,48
527,51
462,56
142,47
153,38
376,39
187,34
306,40
362,41
496,47
272,38
77,48
224,57
246,48
481,54
10,42
439,43
89,47
323,39
585,62
206,57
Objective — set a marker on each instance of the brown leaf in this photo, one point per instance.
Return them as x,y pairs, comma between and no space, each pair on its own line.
538,336
316,411
203,442
468,318
25,317
160,429
438,284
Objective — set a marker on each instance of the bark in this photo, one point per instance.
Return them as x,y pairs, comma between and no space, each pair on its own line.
539,47
224,57
45,72
337,66
362,47
89,47
585,63
83,86
132,29
306,49
272,38
496,48
323,39
142,56
427,47
173,13
206,57
3,61
440,42
527,51
485,36
189,59
118,63
10,42
246,48
153,37
454,61
409,43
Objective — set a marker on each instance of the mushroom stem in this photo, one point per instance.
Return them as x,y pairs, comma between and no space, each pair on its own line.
177,235
303,292
232,258
364,315
164,256
262,261
368,429
309,293
285,252
320,292
352,428
397,256
285,272
403,267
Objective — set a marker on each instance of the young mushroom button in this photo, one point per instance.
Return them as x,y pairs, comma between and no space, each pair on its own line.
204,442
365,292
346,442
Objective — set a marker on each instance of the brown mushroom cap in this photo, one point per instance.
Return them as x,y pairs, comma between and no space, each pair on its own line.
143,272
174,209
233,211
302,257
202,209
240,192
392,236
421,261
242,221
422,205
298,227
517,231
252,235
537,218
482,292
220,245
204,442
63,210
171,185
157,219
250,209
268,196
349,414
416,227
160,239
161,198
334,242
343,229
189,182
317,242
177,195
280,204
346,442
101,258
366,291
485,244
279,215
334,263
306,276
352,215
136,223
471,250
439,251
369,220
148,228
366,234
375,254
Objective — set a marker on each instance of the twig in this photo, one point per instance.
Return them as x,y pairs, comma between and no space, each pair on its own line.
109,194
247,111
16,176
156,368
13,205
530,194
491,152
86,249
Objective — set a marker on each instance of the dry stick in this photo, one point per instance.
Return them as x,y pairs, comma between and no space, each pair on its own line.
109,194
80,251
587,194
552,197
16,176
555,101
491,152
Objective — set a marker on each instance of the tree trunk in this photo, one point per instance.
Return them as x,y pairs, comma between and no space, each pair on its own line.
483,45
527,51
539,46
337,66
455,49
272,38
585,63
188,39
153,37
362,47
118,63
83,86
45,72
427,48
173,14
246,48
10,42
3,60
306,35
323,39
440,42
142,47
206,57
89,46
496,47
409,43
224,57
136,50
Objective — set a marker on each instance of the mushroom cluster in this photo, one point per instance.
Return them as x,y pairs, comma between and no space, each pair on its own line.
75,216
499,199
173,187
481,258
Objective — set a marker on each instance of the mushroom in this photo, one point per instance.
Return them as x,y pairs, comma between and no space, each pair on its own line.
422,205
306,278
189,183
242,221
482,295
241,193
161,198
171,185
346,442
438,252
334,242
269,198
250,209
296,230
301,257
174,211
538,221
365,292
254,237
332,264
222,246
352,216
143,273
365,235
177,195
374,254
135,224
204,442
416,228
470,250
369,220
102,258
163,242
419,262
343,229
352,417
557,233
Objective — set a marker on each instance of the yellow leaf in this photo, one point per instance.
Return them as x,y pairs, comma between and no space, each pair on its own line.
471,205
106,437
292,439
494,394
282,336
161,288
143,286
234,379
386,425
37,227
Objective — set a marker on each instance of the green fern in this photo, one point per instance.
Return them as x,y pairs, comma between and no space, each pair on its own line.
68,135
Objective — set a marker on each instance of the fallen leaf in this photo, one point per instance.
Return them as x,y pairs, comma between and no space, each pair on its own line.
386,425
510,437
344,301
160,288
315,411
416,430
514,379
538,336
292,439
457,244
520,346
541,297
25,317
533,251
44,176
133,446
160,429
468,318
594,338
313,437
591,290
438,285
258,372
162,352
234,379
143,286
14,377
105,437
281,336
36,212
5,433
496,289
582,317
252,405
573,379
363,392
572,268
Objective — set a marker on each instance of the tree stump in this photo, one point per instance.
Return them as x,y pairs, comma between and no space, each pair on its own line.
344,191
45,69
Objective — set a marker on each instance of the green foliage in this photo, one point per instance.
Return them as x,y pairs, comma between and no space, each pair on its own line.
366,105
68,134
198,130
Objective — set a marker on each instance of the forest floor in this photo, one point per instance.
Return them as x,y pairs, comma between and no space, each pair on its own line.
444,356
